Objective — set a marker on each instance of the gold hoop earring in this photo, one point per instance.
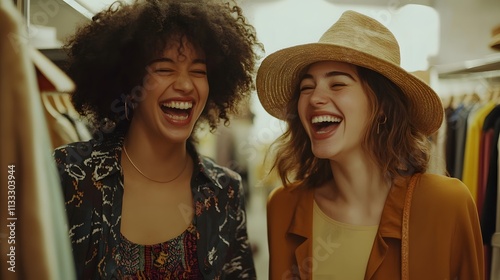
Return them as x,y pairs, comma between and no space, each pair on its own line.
127,107
126,110
381,122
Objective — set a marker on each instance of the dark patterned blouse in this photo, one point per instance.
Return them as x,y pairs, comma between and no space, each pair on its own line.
173,259
92,181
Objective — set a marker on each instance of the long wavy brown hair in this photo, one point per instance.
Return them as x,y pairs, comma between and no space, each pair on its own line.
398,148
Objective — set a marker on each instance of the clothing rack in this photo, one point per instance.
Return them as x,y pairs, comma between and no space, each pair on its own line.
479,78
473,90
487,68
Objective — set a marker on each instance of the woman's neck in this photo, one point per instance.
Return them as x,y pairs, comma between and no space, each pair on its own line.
358,181
356,194
155,156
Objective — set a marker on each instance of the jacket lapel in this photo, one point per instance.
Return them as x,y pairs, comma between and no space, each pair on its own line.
301,226
209,219
108,176
207,225
390,225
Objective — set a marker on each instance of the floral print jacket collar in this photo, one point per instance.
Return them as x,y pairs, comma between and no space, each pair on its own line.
92,181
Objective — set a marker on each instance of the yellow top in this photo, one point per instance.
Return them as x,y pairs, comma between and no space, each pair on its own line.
340,251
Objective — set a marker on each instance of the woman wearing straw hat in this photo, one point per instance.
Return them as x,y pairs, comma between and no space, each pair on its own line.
356,202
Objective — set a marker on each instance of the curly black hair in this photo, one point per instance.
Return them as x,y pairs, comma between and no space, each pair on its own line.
108,56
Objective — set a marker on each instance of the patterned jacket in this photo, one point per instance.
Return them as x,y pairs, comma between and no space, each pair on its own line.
92,181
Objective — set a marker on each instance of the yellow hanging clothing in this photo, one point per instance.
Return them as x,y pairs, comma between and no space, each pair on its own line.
470,174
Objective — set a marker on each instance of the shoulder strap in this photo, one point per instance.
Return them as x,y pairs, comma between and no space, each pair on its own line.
405,245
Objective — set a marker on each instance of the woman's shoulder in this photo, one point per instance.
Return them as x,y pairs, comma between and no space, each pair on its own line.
445,190
78,153
288,192
286,197
279,194
209,164
86,149
74,153
216,172
443,184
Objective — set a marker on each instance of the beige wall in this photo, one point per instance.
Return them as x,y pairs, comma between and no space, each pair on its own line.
465,24
466,29
55,13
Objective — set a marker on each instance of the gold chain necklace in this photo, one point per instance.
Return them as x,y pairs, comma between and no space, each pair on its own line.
161,182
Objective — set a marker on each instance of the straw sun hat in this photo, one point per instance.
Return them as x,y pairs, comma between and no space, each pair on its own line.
495,38
355,39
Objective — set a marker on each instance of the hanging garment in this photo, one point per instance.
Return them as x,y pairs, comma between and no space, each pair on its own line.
470,174
487,212
495,240
60,128
460,124
65,124
34,239
487,186
450,140
67,108
490,205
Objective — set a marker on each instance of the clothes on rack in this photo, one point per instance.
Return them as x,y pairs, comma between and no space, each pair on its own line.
472,167
472,133
458,124
488,187
34,242
495,239
65,124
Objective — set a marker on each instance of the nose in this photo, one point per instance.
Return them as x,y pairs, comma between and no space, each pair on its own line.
318,96
183,83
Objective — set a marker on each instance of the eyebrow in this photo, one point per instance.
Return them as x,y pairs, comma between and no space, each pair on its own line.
329,74
166,59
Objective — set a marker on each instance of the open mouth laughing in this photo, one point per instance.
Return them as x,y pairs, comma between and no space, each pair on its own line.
177,110
323,124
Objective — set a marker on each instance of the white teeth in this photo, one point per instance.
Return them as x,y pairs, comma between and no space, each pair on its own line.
178,118
178,105
326,118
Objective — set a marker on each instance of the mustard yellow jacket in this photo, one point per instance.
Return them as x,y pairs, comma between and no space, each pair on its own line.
444,233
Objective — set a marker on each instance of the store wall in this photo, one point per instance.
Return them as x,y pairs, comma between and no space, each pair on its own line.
465,25
466,29
56,14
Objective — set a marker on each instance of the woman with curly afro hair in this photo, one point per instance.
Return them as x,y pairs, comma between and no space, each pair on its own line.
141,202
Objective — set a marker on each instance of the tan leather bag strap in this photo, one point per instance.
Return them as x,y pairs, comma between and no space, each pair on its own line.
405,231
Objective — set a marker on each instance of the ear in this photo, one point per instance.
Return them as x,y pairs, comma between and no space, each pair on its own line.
130,101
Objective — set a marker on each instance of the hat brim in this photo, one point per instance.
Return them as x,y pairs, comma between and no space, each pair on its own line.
280,70
495,42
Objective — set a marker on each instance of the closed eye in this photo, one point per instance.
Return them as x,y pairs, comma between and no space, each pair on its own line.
306,85
164,70
199,73
337,85
306,89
